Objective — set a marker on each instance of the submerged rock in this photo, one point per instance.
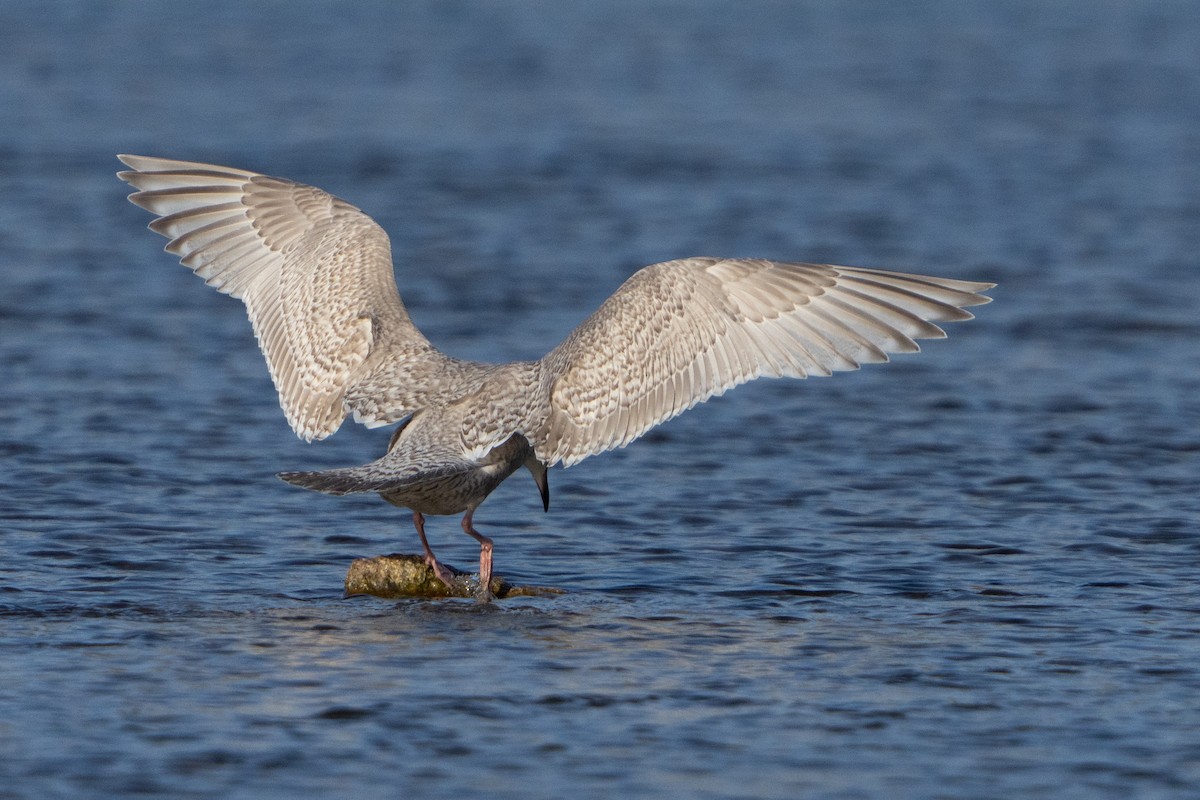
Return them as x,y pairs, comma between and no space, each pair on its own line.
403,575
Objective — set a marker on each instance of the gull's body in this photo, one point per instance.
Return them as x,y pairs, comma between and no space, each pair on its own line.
316,276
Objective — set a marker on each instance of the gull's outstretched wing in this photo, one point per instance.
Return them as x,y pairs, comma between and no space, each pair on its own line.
677,333
314,272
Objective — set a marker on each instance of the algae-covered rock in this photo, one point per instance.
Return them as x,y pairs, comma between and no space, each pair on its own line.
402,575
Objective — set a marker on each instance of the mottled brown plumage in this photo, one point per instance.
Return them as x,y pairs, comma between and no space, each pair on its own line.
316,276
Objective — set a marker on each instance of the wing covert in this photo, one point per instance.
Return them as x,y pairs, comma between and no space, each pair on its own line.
314,272
677,333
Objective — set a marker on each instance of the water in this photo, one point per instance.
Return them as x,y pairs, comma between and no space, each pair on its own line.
971,573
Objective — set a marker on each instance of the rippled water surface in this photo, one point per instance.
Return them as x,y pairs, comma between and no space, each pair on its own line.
971,573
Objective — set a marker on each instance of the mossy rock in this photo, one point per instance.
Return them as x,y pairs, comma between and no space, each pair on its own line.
403,575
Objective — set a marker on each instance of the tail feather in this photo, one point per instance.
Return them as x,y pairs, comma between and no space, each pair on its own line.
383,475
351,480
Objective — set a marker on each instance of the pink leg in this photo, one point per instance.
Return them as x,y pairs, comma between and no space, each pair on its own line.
444,575
485,554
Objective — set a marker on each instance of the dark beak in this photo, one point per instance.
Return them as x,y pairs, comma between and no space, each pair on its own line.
541,477
543,484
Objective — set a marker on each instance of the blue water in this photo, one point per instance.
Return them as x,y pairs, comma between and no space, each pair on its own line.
970,573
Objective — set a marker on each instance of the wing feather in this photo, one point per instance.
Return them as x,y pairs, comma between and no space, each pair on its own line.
315,274
677,333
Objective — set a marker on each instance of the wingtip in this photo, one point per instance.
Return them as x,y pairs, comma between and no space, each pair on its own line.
130,160
979,289
126,174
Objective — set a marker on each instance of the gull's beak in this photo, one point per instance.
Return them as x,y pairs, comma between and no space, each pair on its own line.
541,476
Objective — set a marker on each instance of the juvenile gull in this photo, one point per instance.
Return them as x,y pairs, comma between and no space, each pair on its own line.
315,274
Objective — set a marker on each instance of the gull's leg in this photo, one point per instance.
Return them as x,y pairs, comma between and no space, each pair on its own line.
444,575
485,555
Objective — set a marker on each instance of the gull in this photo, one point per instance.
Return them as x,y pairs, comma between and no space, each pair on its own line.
316,276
